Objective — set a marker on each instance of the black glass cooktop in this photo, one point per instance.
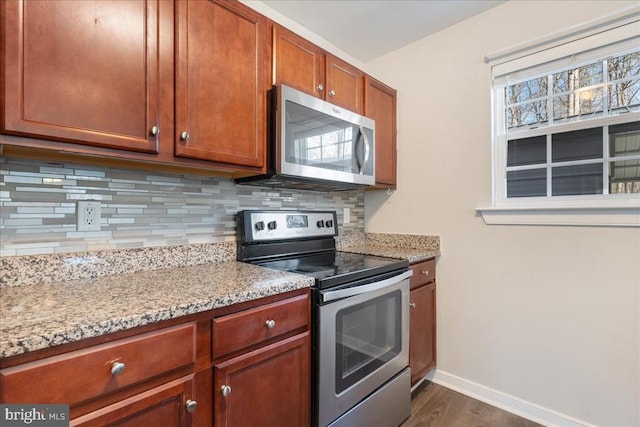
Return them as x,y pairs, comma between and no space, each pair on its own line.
336,268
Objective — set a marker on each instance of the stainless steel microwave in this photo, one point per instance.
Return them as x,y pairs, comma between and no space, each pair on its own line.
315,145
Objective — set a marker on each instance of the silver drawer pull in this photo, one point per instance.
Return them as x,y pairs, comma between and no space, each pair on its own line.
190,405
425,272
225,390
117,368
412,304
270,324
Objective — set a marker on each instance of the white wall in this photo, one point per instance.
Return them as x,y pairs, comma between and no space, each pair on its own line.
550,315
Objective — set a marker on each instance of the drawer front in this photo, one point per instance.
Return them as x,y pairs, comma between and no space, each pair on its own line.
248,328
85,374
423,272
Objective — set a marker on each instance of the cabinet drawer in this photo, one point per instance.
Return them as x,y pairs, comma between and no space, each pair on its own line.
423,272
251,327
85,374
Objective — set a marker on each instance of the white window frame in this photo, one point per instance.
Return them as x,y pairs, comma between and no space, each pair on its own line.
619,32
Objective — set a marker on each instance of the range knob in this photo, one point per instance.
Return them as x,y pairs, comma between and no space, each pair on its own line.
328,223
260,225
320,224
271,225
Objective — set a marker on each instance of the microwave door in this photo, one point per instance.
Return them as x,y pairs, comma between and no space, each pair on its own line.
317,145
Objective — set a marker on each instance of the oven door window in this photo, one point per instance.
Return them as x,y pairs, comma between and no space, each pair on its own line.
367,336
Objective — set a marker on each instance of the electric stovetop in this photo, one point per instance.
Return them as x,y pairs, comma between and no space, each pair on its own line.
335,268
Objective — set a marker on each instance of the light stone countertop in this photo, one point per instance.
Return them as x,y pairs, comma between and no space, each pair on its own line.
410,254
51,300
34,317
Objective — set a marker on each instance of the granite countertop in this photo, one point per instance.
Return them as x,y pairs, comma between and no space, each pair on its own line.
34,317
411,254
412,247
57,299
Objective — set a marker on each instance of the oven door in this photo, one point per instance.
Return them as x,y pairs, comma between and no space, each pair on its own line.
363,341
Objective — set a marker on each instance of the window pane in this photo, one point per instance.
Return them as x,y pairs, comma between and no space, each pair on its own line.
527,183
624,66
577,145
527,114
624,139
526,91
624,177
576,180
577,78
527,151
624,95
579,103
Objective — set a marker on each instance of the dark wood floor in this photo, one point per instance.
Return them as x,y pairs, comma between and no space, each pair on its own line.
435,406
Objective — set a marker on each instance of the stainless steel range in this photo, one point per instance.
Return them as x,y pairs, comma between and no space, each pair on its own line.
361,318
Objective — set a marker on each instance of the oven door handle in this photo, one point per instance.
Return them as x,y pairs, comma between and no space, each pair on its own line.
357,290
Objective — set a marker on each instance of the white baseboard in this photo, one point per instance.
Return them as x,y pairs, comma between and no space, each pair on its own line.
501,400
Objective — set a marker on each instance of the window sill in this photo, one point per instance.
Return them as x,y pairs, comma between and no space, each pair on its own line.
606,216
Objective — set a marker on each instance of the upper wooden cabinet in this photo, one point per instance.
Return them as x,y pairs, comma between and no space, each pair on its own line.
179,83
380,105
297,62
84,72
221,82
304,66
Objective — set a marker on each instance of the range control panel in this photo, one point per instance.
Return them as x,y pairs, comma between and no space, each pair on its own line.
260,226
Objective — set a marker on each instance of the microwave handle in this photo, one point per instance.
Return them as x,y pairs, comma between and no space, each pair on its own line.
367,149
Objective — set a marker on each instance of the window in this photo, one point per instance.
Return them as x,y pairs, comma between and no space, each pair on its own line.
599,155
566,123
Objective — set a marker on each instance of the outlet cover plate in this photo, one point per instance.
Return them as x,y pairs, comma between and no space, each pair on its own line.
89,215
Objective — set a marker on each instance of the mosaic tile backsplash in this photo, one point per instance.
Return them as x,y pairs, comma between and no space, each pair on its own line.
139,208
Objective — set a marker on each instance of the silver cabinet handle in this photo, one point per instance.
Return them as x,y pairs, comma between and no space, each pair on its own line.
155,130
185,136
412,304
190,405
270,324
425,272
117,368
320,87
332,93
225,390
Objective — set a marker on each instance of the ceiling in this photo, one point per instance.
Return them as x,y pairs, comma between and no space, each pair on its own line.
366,29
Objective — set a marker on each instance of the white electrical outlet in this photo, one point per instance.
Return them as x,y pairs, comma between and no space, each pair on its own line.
88,216
346,215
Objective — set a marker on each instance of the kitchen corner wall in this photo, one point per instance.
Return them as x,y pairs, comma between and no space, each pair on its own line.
139,208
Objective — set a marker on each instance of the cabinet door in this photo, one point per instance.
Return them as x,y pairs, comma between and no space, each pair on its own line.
344,85
165,405
267,387
298,63
221,82
83,72
380,105
422,335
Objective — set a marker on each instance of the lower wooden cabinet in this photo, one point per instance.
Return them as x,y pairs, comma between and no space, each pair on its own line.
422,329
171,404
241,365
269,386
